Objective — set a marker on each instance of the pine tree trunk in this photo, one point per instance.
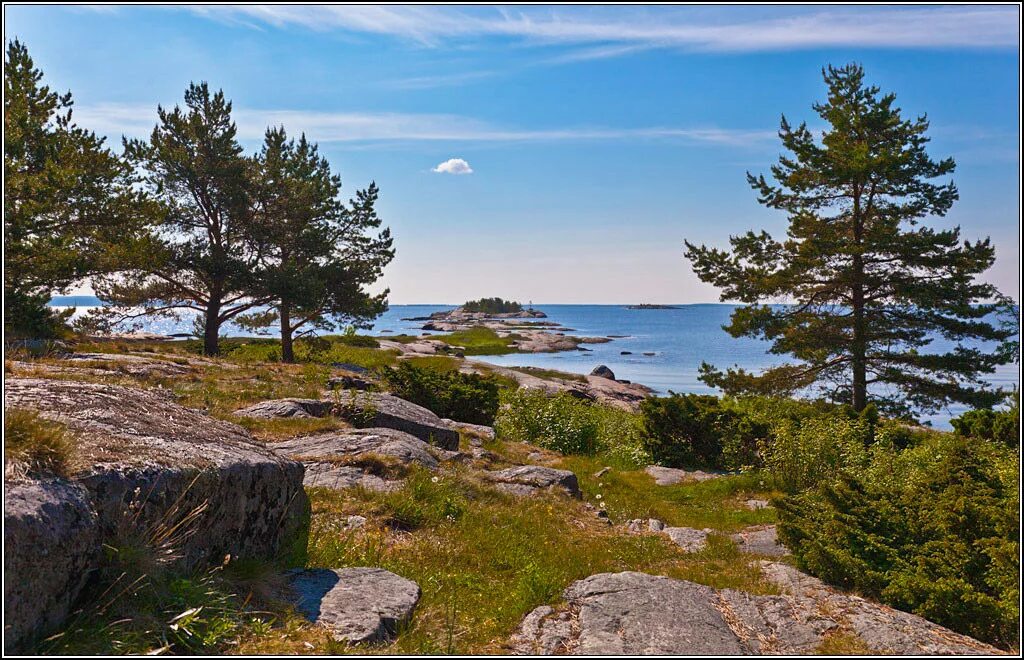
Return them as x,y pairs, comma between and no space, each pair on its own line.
287,355
859,348
211,327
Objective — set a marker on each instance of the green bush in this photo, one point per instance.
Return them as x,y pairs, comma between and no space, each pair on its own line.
932,530
560,422
693,430
463,397
564,423
802,453
1000,425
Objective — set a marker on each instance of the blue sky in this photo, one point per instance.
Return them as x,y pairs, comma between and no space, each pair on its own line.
598,138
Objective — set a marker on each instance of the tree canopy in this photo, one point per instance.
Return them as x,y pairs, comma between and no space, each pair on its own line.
317,255
70,206
884,304
203,255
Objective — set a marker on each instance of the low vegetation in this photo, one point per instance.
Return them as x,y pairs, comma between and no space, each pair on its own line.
468,398
932,529
694,430
570,425
479,340
36,446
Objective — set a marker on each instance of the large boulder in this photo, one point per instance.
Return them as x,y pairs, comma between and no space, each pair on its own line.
371,458
50,542
529,479
356,604
153,468
601,371
639,614
376,409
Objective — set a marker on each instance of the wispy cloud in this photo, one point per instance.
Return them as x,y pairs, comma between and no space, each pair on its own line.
730,30
442,80
138,120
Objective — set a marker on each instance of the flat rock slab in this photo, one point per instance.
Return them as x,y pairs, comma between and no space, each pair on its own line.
357,605
340,459
884,629
760,540
286,409
639,614
665,476
688,538
529,479
375,409
133,365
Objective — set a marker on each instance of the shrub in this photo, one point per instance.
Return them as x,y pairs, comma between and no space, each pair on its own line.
570,425
801,453
37,445
699,430
931,530
356,340
463,397
1000,425
560,422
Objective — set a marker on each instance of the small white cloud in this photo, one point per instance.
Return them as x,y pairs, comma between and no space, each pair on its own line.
453,166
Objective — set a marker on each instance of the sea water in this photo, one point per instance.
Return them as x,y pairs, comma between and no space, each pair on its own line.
663,348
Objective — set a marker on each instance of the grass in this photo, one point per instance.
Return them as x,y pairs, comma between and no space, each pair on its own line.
35,445
464,543
479,340
716,503
551,373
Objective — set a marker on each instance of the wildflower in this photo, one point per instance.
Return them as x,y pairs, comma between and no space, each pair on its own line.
598,496
434,480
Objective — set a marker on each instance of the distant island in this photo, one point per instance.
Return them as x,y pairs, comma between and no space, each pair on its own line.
646,306
492,306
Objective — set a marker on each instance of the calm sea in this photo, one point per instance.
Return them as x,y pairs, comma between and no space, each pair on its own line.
678,339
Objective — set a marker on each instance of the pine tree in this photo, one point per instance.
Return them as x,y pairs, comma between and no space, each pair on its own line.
317,254
69,207
205,256
871,282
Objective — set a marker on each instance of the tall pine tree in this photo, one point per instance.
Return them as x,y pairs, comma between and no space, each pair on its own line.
206,255
871,282
70,208
317,254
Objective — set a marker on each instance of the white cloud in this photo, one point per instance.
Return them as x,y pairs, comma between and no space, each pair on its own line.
453,166
134,120
732,30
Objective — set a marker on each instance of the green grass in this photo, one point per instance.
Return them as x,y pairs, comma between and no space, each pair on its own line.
39,446
716,503
479,340
551,373
464,542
